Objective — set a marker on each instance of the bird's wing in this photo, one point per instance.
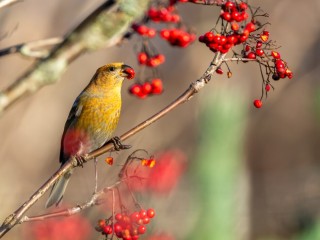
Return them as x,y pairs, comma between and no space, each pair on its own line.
73,115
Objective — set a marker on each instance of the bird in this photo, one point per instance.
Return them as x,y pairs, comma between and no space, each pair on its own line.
92,120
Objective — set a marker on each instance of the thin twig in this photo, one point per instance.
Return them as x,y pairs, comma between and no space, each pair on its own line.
16,217
74,210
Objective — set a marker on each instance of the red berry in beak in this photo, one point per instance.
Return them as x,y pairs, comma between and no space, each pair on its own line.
128,71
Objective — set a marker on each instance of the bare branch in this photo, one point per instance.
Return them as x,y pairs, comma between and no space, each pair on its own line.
16,217
104,27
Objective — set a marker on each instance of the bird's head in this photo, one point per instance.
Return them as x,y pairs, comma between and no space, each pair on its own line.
113,74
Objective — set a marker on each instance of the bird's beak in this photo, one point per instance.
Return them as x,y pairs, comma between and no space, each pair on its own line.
127,72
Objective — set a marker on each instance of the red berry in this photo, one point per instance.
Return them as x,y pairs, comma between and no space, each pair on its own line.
223,40
226,16
101,223
243,38
251,27
165,33
119,216
267,87
184,40
107,229
152,62
229,5
243,6
235,26
266,33
259,52
157,88
247,48
129,72
235,15
146,88
275,55
135,237
142,58
141,29
151,32
281,70
146,220
175,18
135,215
279,64
142,229
219,70
257,103
151,213
143,213
259,44
232,39
134,89
251,55
117,227
160,57
244,15
289,73
208,36
217,38
153,13
264,38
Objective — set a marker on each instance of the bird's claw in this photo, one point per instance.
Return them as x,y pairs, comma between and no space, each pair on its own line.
118,144
80,160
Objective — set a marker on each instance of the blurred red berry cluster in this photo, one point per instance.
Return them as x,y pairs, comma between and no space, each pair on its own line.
161,236
67,228
127,226
151,61
163,14
177,37
142,90
162,177
176,33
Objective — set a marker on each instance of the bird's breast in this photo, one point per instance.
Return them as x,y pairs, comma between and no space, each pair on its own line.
98,119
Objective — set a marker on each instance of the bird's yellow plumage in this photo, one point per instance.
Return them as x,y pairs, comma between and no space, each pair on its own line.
93,118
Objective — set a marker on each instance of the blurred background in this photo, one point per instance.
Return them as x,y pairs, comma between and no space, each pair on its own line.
249,174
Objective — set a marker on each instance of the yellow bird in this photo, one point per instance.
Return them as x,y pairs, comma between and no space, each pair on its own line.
92,120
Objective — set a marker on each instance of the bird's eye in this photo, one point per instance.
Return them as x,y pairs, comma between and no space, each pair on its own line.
111,69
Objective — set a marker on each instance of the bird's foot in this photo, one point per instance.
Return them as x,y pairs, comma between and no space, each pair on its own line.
80,160
118,144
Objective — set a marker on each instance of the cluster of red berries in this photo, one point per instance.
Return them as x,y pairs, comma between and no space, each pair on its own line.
281,67
147,88
143,30
177,37
234,13
252,52
150,61
163,14
127,226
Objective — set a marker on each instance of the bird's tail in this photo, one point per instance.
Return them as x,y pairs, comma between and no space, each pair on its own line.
58,190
